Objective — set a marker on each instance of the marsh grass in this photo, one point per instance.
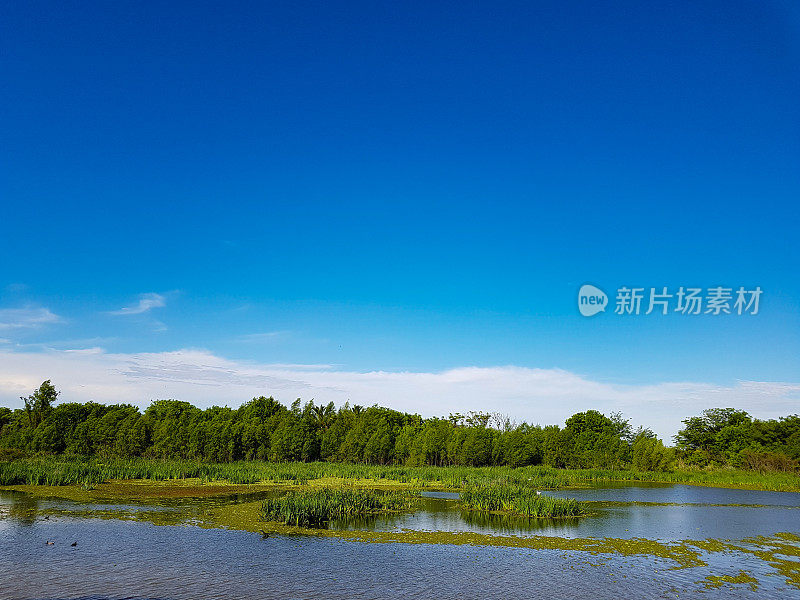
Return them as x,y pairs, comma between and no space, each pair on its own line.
86,472
520,500
66,470
314,507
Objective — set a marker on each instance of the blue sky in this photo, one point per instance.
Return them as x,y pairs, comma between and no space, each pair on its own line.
412,189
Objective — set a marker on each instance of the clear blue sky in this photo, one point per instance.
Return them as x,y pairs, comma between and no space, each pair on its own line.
415,186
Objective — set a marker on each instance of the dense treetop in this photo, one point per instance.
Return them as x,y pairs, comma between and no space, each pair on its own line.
267,430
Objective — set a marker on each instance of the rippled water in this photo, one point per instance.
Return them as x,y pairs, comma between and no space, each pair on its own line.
127,559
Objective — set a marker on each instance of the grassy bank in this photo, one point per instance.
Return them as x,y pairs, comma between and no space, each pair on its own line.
76,471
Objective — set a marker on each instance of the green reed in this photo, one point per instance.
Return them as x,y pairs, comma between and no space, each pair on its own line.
71,470
314,507
518,499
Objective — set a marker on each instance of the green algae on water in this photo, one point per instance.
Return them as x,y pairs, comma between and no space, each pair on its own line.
717,581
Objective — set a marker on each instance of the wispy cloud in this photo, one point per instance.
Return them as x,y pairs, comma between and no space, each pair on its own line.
261,337
65,344
544,396
146,302
27,318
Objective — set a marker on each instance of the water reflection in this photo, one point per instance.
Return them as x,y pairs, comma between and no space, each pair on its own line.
509,524
630,511
444,514
20,507
659,521
137,560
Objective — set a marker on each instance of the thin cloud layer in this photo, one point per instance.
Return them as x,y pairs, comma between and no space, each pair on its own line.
146,302
26,318
544,396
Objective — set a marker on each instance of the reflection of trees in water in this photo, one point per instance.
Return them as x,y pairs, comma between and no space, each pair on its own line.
24,508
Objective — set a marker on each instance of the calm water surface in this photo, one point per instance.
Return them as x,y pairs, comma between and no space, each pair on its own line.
657,512
118,558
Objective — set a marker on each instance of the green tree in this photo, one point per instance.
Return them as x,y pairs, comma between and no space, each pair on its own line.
287,439
649,454
717,435
5,416
38,404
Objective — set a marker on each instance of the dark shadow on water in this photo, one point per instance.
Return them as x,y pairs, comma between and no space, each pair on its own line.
512,523
23,508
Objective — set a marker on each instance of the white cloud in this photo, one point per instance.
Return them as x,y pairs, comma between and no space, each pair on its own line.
545,396
146,303
26,318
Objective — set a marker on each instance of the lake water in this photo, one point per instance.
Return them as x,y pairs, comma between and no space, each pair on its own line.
653,511
121,558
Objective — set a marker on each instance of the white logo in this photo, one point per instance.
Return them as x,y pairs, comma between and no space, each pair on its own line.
591,300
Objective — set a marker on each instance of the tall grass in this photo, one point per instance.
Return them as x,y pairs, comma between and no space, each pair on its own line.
65,470
314,507
518,499
77,471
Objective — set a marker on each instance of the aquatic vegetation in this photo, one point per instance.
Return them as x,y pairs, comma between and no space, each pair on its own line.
719,477
49,472
316,506
780,553
717,581
64,470
519,499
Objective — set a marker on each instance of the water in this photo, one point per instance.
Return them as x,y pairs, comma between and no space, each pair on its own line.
120,560
125,555
678,493
671,513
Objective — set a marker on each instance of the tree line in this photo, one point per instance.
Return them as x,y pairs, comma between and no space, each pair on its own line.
265,429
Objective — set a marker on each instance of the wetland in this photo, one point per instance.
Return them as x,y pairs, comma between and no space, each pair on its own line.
411,534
